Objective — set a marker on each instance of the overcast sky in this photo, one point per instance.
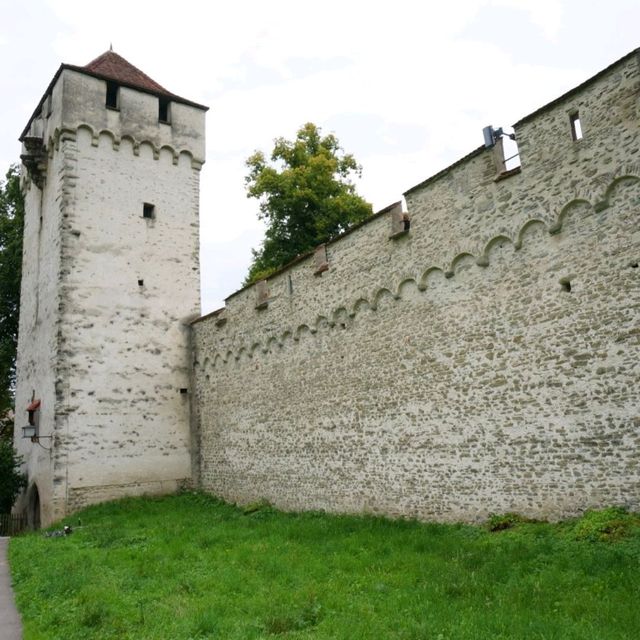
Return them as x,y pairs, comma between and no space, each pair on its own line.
406,86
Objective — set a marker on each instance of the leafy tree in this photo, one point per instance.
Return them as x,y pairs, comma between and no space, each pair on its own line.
11,479
11,226
306,197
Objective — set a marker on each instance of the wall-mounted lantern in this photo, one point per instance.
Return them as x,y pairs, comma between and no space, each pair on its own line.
29,431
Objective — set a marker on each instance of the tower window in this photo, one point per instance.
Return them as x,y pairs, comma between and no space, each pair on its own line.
576,127
148,210
112,94
164,111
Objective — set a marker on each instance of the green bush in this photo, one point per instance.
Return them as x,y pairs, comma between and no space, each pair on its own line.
502,521
604,525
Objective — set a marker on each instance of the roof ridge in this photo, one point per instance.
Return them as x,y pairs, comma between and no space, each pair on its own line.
113,66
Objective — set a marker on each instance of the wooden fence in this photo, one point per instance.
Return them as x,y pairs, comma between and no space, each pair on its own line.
12,524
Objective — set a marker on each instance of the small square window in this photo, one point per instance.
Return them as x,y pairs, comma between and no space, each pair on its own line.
148,210
164,110
113,91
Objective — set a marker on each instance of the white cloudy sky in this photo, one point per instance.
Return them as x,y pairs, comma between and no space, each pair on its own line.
406,85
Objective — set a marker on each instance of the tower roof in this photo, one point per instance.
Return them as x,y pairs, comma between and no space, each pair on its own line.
114,67
111,66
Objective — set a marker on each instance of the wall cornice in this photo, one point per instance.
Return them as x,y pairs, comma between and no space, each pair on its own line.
116,142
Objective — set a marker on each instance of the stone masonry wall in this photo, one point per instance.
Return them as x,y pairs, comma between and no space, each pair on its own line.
127,288
38,331
485,361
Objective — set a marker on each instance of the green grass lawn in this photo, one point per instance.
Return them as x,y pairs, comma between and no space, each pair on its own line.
190,566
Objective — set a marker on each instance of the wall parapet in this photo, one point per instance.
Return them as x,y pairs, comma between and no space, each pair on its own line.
488,210
349,309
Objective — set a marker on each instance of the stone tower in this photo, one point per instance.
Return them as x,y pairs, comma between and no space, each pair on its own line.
111,166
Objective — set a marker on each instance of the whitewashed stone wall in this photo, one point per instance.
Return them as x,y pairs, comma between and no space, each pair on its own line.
485,361
104,336
38,331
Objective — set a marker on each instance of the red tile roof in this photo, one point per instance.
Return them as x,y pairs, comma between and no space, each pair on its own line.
114,67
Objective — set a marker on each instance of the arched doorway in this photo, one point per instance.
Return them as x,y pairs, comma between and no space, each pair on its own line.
33,507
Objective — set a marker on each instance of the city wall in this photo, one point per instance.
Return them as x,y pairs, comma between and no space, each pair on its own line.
480,357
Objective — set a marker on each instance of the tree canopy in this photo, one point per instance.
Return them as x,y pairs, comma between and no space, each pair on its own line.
306,197
11,227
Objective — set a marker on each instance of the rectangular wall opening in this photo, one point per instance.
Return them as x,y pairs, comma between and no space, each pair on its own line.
576,127
113,91
148,210
164,110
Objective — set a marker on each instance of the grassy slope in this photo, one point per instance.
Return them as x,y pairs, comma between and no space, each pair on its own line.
192,567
